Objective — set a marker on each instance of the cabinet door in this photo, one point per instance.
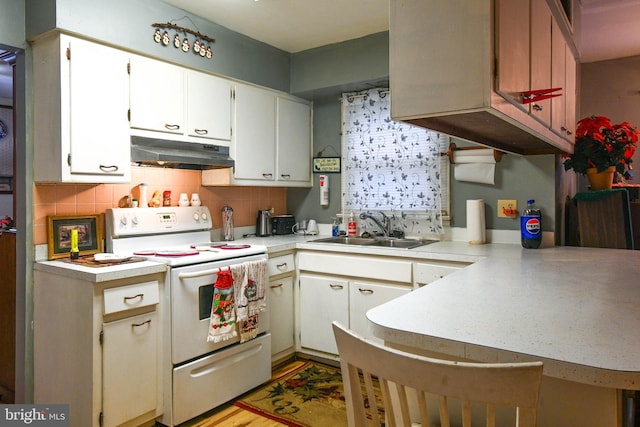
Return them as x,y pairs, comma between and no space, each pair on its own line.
570,97
558,77
157,95
513,50
322,300
364,296
541,58
208,106
281,314
293,140
254,133
129,368
98,104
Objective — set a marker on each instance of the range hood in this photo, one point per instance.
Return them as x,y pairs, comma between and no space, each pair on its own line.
179,154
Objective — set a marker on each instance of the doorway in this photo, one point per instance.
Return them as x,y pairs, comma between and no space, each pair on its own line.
8,244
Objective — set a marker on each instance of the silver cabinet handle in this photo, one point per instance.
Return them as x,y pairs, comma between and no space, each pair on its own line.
267,175
201,131
537,107
135,325
334,286
127,299
109,168
281,266
279,285
171,127
365,291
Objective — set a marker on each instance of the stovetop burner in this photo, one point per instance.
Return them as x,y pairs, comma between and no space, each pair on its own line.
170,235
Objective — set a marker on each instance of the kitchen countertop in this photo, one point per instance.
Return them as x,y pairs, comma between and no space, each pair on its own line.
101,274
576,309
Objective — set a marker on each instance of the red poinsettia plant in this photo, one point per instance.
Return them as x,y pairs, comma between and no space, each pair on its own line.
601,144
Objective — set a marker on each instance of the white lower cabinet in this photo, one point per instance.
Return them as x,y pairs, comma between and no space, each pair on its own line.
343,287
97,347
129,377
282,270
324,299
363,296
425,273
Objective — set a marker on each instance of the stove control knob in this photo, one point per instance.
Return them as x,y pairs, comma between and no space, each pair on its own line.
204,216
134,220
123,221
196,216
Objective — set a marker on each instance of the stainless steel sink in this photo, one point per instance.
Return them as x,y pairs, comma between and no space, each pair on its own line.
346,240
400,243
387,242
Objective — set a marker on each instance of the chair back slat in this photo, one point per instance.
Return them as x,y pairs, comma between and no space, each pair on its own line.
515,385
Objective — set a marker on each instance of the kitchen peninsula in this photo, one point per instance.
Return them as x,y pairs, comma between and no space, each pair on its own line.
575,309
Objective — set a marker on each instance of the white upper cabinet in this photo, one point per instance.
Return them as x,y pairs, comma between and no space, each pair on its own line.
271,143
157,95
293,137
254,146
182,104
208,106
81,130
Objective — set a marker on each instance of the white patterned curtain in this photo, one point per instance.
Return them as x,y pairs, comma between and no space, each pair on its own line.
390,167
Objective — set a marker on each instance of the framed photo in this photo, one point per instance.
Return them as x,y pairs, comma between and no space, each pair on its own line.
90,234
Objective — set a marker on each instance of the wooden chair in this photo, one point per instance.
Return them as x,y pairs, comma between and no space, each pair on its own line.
493,384
604,219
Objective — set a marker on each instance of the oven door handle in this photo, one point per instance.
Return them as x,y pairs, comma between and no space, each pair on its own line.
194,274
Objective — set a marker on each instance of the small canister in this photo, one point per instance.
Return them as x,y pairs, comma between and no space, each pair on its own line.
166,198
227,223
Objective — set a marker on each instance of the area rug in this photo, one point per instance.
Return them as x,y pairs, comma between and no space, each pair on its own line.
308,395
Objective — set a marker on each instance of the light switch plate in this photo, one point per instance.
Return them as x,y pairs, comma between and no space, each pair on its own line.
507,208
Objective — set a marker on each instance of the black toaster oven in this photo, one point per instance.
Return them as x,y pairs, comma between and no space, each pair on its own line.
282,224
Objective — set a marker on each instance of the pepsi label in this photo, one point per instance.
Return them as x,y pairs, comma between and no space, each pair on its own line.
530,227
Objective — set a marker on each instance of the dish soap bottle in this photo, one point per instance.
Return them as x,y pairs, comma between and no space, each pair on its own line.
352,227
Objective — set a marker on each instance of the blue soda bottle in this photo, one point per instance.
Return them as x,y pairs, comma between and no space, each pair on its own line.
531,226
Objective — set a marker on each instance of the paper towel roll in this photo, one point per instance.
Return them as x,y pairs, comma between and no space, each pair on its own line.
474,166
476,233
482,155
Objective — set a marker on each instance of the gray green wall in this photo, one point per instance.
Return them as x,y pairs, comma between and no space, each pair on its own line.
127,25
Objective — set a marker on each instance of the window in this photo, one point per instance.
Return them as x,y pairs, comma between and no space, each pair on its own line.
392,167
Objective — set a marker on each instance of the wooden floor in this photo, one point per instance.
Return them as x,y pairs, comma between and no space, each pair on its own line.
231,416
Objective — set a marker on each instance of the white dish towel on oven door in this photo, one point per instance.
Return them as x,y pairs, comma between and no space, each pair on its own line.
250,282
247,298
223,313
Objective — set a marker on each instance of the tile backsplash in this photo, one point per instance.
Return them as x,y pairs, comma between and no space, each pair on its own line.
81,199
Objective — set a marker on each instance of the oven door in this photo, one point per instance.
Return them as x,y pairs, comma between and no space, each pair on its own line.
191,300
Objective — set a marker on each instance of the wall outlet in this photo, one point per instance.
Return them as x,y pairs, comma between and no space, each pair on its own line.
507,208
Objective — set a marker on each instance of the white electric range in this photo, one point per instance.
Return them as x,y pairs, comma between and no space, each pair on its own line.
198,375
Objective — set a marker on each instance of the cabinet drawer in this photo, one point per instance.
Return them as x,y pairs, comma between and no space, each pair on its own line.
423,274
281,264
131,296
356,266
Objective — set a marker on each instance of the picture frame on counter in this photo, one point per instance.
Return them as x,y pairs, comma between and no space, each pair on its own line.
90,234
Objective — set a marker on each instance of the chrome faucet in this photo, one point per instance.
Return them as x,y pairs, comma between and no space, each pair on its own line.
385,225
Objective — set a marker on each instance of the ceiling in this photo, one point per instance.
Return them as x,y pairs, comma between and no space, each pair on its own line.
609,27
